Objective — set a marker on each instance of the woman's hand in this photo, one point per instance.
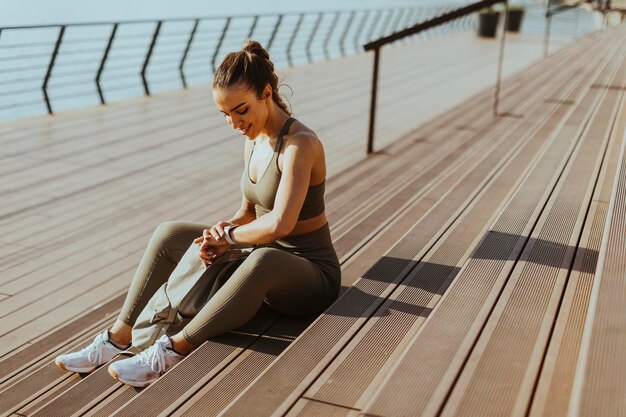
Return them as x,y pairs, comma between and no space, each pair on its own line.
212,243
217,230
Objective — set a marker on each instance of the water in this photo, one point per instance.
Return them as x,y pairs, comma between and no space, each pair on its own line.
39,12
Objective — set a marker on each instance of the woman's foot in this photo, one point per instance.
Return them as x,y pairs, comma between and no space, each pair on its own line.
100,351
146,367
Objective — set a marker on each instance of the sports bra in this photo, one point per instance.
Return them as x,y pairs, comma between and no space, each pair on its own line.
263,192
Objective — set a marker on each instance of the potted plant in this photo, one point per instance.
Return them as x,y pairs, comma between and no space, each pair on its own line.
514,18
488,22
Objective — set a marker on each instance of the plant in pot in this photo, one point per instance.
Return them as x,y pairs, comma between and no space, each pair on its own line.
514,18
488,22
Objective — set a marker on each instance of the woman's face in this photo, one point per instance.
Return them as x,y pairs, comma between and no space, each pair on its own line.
242,109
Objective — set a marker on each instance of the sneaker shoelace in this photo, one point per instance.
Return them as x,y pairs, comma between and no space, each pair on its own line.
94,350
154,356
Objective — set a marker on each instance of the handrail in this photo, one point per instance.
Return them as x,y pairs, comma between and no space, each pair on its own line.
413,30
293,38
436,21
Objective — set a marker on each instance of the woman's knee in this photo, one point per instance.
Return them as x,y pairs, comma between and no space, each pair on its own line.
258,267
174,237
264,260
169,229
260,256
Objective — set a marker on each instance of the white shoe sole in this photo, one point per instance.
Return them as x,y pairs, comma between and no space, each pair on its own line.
74,369
137,384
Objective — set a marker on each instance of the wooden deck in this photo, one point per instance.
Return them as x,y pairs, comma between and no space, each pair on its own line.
469,244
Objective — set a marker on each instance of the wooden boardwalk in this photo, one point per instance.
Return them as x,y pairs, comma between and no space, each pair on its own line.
469,244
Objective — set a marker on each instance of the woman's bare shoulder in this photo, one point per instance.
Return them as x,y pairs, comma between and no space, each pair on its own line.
300,132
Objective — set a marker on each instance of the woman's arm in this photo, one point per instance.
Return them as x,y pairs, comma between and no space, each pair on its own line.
300,153
246,213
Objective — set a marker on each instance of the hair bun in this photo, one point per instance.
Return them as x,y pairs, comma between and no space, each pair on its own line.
255,48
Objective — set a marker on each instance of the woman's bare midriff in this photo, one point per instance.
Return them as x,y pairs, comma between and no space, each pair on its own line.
308,225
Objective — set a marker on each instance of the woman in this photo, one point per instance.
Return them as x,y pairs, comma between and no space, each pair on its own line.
293,266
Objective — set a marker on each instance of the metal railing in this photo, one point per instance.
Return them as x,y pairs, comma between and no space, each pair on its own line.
435,22
90,63
553,9
444,18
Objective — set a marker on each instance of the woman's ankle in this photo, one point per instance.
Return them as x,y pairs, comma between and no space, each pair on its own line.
120,334
181,346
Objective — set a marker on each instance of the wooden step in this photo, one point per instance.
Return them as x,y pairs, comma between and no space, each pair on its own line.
598,387
554,387
480,284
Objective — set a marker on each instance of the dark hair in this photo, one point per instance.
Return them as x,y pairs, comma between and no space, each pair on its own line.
252,66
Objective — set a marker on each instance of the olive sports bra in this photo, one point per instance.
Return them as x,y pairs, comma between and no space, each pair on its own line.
263,192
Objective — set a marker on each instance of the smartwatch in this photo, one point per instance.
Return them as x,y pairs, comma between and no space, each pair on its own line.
227,230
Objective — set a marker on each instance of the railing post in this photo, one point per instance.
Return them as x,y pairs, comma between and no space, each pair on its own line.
271,41
546,35
345,33
103,62
310,41
330,33
359,31
501,59
148,56
370,137
293,37
219,44
57,46
253,26
181,66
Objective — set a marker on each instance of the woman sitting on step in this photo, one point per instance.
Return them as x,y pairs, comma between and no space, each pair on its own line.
293,266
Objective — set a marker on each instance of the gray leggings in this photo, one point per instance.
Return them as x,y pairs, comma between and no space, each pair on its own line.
299,275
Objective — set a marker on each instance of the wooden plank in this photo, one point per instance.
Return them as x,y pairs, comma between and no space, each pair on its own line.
553,393
44,348
44,379
65,312
346,380
598,387
312,408
225,383
219,351
476,288
509,351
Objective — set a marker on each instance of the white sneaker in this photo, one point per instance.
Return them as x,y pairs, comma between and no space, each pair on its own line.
146,367
100,351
